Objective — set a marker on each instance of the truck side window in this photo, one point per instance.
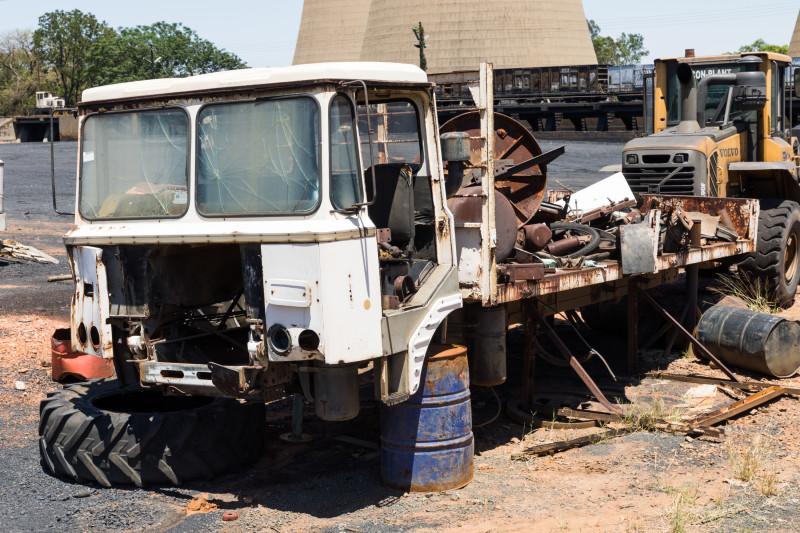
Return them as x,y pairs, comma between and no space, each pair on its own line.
345,173
396,137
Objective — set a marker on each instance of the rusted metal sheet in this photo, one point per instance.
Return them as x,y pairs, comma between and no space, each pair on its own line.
742,212
639,246
467,208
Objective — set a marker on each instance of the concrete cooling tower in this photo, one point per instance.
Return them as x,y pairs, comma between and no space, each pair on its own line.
794,45
331,31
462,33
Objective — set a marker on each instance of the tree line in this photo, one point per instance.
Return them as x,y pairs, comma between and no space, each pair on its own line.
628,48
71,50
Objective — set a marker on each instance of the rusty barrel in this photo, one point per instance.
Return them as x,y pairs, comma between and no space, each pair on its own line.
756,341
426,441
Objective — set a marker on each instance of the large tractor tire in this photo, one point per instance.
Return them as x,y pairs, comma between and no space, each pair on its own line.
97,431
777,256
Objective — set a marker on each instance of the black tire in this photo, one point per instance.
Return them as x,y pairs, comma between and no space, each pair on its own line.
582,229
97,431
777,256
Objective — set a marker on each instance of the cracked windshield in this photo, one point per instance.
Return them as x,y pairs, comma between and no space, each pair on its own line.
259,158
134,165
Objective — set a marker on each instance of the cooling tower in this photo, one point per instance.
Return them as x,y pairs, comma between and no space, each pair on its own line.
794,45
331,31
459,33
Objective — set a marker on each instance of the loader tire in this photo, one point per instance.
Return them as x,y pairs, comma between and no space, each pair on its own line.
777,256
97,431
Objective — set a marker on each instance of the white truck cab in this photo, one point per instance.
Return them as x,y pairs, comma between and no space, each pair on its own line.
244,231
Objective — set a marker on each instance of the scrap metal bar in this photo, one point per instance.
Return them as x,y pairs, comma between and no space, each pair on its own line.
658,423
692,279
589,415
633,327
573,362
738,407
541,159
528,356
744,385
686,334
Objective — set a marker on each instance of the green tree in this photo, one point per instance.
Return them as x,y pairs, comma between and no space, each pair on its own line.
62,42
18,69
760,45
626,50
160,50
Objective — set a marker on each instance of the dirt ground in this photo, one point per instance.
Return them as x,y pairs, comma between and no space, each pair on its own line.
643,481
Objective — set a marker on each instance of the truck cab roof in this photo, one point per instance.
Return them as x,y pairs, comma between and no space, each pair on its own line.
258,77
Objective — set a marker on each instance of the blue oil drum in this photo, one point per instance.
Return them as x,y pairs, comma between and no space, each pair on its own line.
426,441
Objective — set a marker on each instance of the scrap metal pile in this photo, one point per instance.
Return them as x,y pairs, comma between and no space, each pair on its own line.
605,222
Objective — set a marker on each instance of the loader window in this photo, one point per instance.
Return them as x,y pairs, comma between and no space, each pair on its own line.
134,165
258,157
396,137
345,171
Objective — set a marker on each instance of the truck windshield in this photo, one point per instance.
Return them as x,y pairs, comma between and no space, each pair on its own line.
134,165
258,158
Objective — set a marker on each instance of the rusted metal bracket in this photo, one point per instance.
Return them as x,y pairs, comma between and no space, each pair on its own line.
743,385
697,344
235,381
738,407
573,362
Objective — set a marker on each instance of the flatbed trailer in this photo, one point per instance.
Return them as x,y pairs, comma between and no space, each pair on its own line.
488,284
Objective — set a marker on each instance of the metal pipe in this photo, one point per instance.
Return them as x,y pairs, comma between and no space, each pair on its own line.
685,333
702,92
688,122
53,170
369,138
2,212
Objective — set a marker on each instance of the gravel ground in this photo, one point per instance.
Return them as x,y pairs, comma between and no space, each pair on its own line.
633,483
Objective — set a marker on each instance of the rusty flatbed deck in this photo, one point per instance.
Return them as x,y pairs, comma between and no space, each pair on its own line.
569,288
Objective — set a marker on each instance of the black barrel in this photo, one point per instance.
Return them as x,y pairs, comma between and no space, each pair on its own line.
756,341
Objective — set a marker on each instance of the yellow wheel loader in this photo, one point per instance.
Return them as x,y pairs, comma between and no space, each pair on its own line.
720,129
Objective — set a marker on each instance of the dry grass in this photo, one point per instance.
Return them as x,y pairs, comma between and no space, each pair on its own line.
682,513
647,416
746,456
753,292
767,483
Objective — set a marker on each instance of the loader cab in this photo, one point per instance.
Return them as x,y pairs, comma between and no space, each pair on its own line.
770,118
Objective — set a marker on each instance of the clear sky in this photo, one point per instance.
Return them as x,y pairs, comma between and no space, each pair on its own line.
263,33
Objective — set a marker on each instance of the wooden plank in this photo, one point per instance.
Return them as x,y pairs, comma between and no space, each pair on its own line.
738,407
